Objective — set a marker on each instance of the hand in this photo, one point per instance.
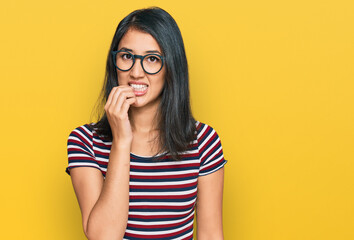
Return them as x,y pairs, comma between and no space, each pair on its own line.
116,108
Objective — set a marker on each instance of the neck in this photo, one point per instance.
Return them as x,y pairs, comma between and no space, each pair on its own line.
143,119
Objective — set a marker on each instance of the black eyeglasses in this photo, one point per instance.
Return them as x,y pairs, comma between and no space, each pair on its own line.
151,63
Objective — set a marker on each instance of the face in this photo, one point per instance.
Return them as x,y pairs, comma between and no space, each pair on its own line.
147,87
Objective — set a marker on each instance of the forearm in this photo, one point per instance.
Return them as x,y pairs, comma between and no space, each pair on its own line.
108,218
209,206
208,232
210,236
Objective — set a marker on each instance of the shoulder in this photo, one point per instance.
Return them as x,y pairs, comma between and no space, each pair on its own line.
210,149
87,136
83,132
205,131
80,148
83,135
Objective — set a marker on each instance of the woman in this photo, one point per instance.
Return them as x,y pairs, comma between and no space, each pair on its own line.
143,169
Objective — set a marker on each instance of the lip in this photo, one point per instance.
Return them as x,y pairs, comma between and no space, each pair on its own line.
137,92
140,93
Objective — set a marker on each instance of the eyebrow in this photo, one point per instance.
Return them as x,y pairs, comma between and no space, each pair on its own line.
130,50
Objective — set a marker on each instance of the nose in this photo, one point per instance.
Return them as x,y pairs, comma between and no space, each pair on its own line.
137,71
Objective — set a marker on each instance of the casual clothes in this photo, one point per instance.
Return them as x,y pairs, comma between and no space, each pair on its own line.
162,195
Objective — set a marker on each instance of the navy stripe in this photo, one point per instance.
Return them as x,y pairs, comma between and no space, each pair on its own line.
157,199
152,229
169,183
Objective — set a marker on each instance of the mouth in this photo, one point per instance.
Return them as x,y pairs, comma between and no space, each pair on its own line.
139,89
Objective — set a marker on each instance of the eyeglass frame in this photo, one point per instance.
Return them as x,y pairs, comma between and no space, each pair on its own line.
141,57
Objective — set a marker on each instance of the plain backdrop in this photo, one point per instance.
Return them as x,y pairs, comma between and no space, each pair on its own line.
274,78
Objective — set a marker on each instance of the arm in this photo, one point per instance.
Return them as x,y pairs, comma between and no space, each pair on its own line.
105,204
209,206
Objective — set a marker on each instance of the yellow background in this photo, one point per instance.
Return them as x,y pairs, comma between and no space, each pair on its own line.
274,78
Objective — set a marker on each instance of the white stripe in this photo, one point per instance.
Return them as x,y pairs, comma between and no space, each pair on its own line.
162,193
82,164
82,135
156,173
207,150
98,149
159,232
162,203
102,150
162,183
211,163
186,235
164,163
188,152
88,131
152,164
96,139
157,213
202,131
77,147
78,155
102,159
161,223
162,173
214,170
206,139
215,152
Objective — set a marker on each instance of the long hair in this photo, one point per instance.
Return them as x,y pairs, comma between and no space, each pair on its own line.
175,122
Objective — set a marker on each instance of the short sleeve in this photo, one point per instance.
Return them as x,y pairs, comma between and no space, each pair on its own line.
80,149
210,150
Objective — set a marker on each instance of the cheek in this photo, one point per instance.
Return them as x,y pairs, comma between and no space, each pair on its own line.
160,84
162,79
122,78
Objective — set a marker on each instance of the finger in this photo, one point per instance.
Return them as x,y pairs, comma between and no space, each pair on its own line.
110,96
121,98
127,92
120,90
126,104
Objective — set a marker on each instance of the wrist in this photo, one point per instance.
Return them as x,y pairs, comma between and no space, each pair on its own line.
121,144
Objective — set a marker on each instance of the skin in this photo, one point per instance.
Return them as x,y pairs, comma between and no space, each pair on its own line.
104,204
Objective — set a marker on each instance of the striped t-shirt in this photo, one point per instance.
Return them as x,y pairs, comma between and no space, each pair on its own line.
162,195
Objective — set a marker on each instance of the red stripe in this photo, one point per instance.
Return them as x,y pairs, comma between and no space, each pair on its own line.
153,217
105,164
207,128
132,167
212,166
101,146
143,197
163,186
80,158
73,142
160,226
77,134
211,152
145,236
165,177
207,144
101,153
162,207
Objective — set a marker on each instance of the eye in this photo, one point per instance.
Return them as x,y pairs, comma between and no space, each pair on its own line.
153,59
127,56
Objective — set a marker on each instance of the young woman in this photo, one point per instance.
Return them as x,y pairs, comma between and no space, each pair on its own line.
145,168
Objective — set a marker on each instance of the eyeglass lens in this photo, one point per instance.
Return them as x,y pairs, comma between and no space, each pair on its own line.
151,62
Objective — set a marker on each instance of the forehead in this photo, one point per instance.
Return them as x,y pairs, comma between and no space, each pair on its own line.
138,41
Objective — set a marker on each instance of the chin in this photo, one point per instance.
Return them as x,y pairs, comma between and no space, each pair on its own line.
138,103
141,103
